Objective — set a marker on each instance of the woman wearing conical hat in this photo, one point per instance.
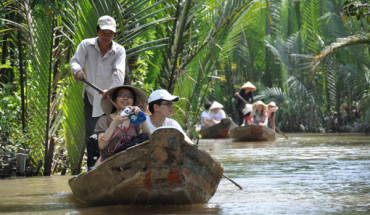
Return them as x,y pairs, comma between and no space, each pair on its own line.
115,129
246,92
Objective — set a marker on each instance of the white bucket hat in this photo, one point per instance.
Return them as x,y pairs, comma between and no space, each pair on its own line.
216,105
141,99
273,105
162,94
107,23
257,103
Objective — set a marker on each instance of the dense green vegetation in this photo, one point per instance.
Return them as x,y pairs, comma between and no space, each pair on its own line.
310,56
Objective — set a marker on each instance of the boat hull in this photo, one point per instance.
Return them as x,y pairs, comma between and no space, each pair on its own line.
253,133
221,130
163,170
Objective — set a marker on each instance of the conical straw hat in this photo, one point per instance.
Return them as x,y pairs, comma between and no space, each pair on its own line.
216,105
249,85
141,99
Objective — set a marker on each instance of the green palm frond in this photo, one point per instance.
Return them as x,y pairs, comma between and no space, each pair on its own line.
74,124
330,84
38,83
271,94
311,25
287,52
338,44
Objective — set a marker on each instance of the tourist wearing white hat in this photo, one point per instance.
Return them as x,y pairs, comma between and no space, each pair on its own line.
260,116
246,94
100,61
161,106
216,113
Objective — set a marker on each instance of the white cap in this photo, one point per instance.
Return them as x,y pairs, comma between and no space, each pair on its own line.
107,23
216,105
162,94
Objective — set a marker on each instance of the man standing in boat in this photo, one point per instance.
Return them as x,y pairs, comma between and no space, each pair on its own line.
161,106
100,61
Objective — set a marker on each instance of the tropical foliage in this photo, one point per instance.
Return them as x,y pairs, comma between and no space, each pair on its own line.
311,57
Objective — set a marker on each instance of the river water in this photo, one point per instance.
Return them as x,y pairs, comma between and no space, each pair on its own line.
305,174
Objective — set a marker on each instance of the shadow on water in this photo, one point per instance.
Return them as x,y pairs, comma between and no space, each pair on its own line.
306,174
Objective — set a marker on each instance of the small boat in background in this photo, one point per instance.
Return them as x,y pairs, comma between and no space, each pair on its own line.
220,130
253,133
163,170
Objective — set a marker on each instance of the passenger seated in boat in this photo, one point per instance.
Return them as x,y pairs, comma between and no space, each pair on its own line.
247,111
115,129
204,116
246,92
161,106
271,109
260,116
216,113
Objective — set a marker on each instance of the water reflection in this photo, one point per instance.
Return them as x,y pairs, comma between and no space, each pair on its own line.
306,174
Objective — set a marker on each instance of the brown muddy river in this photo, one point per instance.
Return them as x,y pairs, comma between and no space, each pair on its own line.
306,174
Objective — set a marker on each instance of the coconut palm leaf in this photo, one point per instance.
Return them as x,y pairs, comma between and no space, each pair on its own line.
39,40
271,94
338,44
310,25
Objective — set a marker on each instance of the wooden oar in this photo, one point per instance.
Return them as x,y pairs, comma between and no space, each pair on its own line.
282,133
232,181
90,84
276,128
97,89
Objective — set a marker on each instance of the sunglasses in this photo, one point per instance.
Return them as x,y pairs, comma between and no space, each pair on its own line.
123,95
167,103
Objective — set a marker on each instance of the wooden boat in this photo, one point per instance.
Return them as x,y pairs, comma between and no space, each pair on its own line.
253,133
220,130
163,170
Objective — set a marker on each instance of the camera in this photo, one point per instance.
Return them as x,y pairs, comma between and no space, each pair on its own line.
126,111
137,118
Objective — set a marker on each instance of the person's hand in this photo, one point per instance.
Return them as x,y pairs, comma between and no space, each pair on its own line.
122,122
237,93
120,119
135,110
79,74
105,93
